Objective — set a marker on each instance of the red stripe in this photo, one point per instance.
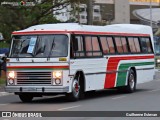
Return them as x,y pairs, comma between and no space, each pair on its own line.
39,32
78,32
37,67
113,66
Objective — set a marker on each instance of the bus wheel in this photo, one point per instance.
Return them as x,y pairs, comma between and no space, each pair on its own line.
25,97
131,85
77,91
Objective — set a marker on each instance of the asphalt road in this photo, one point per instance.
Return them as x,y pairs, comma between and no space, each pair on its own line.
146,98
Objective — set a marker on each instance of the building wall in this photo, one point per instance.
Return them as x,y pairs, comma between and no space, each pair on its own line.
122,11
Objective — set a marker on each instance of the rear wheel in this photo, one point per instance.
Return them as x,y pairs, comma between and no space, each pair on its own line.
131,85
25,97
77,90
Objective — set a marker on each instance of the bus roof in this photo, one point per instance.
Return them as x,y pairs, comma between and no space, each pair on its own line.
73,27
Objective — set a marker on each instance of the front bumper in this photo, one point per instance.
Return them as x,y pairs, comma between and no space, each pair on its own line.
37,89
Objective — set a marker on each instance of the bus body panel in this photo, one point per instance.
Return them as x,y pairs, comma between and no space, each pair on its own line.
113,72
94,70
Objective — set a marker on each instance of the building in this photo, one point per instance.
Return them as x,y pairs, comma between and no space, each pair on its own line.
121,11
79,13
108,11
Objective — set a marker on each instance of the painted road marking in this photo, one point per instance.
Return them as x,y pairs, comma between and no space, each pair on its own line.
5,93
69,107
3,104
154,90
118,97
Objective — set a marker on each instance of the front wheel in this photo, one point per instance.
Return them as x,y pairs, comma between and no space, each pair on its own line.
77,90
25,97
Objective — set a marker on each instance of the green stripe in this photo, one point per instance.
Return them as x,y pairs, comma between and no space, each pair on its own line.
121,78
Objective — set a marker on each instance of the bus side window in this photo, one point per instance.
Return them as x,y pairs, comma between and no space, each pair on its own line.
146,45
78,46
73,46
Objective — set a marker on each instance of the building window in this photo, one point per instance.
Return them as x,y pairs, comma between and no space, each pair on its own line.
82,17
96,18
82,9
96,10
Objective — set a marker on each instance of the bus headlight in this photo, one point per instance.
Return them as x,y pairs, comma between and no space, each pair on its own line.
57,74
11,75
57,77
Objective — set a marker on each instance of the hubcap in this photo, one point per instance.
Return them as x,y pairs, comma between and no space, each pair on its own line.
76,87
131,81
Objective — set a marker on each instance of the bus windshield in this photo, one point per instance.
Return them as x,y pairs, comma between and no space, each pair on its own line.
39,46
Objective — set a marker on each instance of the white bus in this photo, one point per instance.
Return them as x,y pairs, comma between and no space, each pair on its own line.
72,59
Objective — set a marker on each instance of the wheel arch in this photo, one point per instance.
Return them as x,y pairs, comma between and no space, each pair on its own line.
82,78
135,72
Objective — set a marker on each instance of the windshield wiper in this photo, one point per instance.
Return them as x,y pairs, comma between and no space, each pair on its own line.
53,45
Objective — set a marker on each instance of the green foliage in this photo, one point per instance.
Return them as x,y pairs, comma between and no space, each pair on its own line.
2,81
19,17
4,44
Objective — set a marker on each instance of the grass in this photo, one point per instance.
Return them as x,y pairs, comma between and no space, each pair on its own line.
2,78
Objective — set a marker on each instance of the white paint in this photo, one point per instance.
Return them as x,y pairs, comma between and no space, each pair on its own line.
154,90
3,104
5,93
69,107
118,97
96,65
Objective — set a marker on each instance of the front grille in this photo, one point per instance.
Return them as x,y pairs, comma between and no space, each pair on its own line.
34,78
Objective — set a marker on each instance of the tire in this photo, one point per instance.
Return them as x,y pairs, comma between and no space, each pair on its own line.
25,97
77,90
131,83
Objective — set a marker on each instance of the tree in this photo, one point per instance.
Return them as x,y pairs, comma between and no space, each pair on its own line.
18,15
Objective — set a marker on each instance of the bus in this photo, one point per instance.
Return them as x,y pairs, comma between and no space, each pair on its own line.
72,59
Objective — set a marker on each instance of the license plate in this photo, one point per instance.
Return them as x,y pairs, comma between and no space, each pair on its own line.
31,89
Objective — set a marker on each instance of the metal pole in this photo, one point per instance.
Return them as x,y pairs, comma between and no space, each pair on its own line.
89,12
150,13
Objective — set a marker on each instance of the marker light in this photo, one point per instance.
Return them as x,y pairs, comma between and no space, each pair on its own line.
11,81
11,74
57,81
